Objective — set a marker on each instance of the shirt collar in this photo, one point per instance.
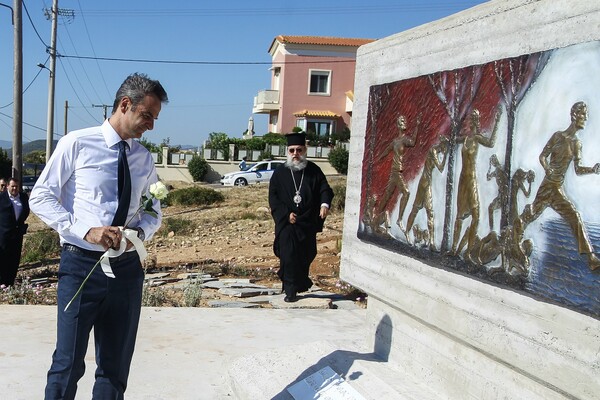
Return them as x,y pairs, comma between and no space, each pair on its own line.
111,137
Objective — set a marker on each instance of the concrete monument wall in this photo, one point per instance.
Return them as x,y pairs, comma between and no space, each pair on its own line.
490,117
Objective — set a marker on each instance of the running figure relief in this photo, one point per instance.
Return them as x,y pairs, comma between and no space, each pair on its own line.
423,198
467,186
468,193
563,148
497,171
396,180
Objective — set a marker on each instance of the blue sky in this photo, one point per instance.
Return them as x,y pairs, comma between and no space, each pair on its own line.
210,56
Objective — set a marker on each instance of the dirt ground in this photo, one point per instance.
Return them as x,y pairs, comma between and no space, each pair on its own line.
231,239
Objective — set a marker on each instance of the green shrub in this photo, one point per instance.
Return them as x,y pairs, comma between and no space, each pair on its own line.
343,136
40,245
274,138
179,226
194,196
339,198
25,293
254,143
154,296
338,158
192,293
198,167
265,155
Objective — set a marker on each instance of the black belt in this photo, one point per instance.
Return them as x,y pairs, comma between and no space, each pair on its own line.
71,248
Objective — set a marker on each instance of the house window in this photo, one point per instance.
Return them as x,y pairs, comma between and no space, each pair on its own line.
320,82
318,131
273,120
320,128
276,75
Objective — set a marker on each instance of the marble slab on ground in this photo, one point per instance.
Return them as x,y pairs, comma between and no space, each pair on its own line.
246,292
229,283
182,284
237,280
157,275
195,275
231,304
302,303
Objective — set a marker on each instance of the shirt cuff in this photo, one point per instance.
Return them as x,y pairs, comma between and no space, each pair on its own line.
80,229
325,205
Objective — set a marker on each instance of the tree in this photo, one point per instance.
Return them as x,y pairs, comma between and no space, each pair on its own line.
219,141
275,138
338,158
343,136
514,77
456,91
151,147
5,164
35,157
198,168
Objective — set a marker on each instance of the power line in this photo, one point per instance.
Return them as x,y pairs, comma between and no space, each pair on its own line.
75,92
25,123
30,83
202,62
275,11
33,25
84,70
93,50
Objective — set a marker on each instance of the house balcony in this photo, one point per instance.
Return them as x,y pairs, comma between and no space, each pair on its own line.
266,101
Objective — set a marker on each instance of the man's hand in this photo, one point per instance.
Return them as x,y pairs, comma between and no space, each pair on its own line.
292,218
105,236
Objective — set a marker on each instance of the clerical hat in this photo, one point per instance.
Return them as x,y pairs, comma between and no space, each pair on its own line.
296,139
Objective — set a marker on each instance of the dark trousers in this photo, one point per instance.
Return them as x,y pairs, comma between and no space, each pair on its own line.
10,256
112,307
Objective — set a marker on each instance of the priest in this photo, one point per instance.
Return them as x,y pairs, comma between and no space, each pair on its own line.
299,197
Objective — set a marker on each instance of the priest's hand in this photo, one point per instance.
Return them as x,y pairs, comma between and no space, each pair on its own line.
324,211
292,218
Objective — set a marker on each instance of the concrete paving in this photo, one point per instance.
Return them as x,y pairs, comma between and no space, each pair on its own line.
181,353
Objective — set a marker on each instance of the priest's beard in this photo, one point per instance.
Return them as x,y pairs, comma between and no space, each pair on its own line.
296,165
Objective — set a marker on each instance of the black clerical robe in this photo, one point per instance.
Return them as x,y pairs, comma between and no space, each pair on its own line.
296,244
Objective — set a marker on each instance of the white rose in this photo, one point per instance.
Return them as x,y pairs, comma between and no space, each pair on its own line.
159,190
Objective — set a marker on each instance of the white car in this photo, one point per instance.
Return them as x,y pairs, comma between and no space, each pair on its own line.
256,173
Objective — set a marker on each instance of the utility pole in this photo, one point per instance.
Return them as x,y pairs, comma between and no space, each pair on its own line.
17,150
105,106
53,14
51,82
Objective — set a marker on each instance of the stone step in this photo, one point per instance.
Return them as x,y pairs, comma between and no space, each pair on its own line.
266,375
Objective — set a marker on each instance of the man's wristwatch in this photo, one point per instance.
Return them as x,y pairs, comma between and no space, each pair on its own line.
140,233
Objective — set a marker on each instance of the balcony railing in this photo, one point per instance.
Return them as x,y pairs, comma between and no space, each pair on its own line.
266,101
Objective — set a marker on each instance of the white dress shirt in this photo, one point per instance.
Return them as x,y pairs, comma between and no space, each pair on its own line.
78,188
17,205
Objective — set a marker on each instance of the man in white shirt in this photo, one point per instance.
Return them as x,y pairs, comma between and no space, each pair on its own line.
14,210
78,194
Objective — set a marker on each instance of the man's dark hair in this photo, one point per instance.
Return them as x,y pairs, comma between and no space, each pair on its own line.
137,86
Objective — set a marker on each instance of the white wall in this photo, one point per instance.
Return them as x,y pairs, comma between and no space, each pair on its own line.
463,338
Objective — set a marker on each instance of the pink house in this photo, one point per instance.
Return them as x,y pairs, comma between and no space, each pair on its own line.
312,84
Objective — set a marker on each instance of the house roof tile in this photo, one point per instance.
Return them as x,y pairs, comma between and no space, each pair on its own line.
322,40
316,113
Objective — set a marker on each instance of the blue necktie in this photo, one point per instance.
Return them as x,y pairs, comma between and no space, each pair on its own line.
124,186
